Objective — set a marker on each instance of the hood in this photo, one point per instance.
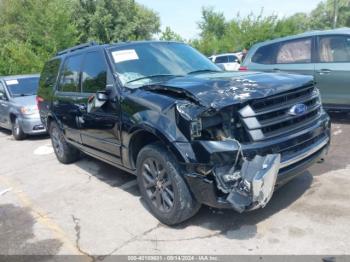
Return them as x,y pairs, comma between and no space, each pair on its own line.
218,90
25,100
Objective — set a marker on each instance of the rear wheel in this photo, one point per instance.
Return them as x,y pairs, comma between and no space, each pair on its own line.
17,130
162,186
65,153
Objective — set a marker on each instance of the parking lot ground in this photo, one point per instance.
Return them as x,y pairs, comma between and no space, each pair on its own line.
91,208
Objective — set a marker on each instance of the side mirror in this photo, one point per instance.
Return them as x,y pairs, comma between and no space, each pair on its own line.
102,96
237,61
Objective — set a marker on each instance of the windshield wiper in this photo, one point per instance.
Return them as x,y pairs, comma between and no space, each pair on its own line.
151,76
203,71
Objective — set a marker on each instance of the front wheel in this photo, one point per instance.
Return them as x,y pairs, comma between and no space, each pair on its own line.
162,186
65,153
17,130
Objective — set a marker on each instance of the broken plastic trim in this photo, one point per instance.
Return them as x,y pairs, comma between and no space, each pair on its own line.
257,184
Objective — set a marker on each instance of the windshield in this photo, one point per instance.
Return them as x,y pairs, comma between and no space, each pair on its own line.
144,63
22,86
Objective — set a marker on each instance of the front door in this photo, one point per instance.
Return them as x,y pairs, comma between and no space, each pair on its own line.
332,72
100,121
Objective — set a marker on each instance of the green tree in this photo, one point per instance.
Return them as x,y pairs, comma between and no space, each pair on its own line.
170,35
31,31
322,16
114,20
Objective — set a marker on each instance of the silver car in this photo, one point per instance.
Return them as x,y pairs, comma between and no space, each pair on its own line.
18,108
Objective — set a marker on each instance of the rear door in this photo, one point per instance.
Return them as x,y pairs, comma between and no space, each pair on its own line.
100,121
68,102
332,70
221,61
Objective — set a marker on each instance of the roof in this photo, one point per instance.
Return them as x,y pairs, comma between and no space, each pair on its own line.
337,31
19,76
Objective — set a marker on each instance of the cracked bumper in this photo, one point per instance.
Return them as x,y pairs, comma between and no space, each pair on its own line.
279,169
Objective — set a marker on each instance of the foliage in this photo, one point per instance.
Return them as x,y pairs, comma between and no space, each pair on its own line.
108,21
170,35
31,31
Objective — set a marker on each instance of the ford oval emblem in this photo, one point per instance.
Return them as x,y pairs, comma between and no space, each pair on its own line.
297,110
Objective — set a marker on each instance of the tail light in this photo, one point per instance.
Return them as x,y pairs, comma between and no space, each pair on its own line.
243,68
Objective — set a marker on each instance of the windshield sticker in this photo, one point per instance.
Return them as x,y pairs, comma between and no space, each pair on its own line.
12,82
124,55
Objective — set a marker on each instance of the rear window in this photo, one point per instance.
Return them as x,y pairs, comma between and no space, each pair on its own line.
333,49
22,86
265,54
49,74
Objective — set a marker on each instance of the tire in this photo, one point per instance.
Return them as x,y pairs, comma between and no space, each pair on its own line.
64,152
162,186
17,130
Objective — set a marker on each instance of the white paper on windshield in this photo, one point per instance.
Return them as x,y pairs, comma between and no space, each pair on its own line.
12,82
124,55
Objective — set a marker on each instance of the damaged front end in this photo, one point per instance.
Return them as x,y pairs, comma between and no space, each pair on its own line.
243,183
251,187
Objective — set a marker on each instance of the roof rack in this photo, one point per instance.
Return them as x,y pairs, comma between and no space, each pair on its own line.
74,48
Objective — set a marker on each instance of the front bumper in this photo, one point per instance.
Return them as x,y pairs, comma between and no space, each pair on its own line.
32,126
271,171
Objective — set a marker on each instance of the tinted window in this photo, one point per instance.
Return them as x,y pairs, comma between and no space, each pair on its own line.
22,86
221,59
94,72
334,49
295,51
71,74
232,59
49,74
265,54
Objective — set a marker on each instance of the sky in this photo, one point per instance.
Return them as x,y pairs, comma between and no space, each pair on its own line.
182,15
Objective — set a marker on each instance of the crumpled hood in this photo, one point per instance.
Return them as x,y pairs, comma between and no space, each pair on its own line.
217,90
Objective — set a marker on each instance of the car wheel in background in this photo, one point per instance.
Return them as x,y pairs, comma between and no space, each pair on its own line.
162,187
17,130
65,153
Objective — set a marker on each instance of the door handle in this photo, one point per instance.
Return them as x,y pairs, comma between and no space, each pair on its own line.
324,71
276,70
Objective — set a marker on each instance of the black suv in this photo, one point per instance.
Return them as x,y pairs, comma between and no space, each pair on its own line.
191,133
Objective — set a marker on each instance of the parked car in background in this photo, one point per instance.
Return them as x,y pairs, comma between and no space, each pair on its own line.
191,133
227,62
322,54
18,108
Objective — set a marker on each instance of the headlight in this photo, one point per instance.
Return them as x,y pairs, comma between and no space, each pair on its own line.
29,110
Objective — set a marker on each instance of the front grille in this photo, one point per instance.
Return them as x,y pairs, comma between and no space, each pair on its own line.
269,117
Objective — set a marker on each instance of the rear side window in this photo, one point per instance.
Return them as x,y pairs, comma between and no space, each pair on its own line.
232,59
94,72
70,78
334,49
266,54
295,52
49,74
221,59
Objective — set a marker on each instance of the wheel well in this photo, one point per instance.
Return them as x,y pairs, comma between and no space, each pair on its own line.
138,141
12,118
